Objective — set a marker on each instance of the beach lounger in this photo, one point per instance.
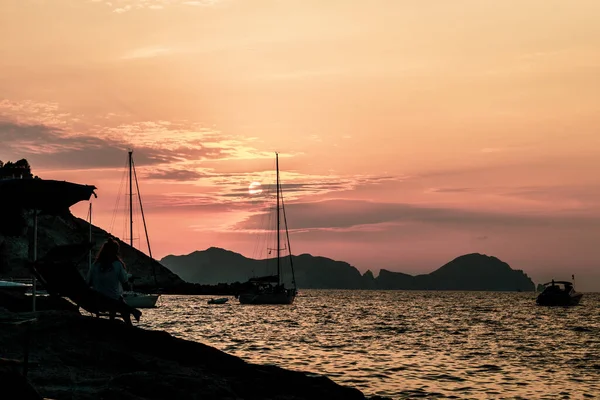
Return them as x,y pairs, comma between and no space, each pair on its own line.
57,272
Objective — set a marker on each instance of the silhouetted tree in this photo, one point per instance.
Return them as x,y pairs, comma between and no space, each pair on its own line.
19,169
23,163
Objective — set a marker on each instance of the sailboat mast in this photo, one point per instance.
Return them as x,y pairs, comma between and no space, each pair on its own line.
131,198
289,247
90,252
278,238
137,188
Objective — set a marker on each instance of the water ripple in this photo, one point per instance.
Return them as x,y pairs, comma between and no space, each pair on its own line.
408,344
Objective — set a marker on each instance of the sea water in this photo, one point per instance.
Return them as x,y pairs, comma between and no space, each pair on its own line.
406,344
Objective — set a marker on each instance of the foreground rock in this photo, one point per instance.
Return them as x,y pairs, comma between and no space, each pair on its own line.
79,357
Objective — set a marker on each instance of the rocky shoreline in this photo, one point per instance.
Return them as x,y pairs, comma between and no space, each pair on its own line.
78,357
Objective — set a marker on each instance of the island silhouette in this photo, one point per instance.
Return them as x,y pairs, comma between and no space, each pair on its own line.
468,272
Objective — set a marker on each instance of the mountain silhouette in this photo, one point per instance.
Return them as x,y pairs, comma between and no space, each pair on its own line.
468,272
215,265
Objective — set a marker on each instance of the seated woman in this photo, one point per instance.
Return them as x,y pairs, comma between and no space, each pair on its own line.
107,274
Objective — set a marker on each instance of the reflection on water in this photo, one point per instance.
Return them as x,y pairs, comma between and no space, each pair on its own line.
408,344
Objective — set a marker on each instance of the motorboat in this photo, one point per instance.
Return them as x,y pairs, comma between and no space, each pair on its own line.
220,300
559,293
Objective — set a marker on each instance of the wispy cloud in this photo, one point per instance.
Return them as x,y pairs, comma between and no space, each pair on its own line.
124,6
507,149
201,2
53,137
452,190
147,52
182,140
34,113
231,191
103,147
173,152
347,214
576,197
174,174
122,10
54,147
492,149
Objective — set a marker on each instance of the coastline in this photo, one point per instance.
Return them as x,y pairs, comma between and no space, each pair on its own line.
76,356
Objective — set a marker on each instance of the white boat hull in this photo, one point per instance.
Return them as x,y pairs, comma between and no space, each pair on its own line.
140,300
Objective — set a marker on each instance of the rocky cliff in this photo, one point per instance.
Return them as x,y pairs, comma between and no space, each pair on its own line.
16,238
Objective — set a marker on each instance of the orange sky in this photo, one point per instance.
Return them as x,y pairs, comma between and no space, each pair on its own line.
410,132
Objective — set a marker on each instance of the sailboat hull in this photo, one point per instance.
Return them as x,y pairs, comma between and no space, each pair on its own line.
286,297
140,300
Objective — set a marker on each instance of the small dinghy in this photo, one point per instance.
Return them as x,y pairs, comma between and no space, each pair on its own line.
221,300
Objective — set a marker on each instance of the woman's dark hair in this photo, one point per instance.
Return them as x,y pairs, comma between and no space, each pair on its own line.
109,253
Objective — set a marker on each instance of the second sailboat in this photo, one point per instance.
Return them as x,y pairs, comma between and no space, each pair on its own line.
271,289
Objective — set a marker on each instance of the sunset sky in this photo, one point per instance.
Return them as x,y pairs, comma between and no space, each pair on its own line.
409,131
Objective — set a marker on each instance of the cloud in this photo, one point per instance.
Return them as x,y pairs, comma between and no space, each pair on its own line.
492,150
336,214
509,149
201,2
174,175
184,140
575,196
58,138
231,191
452,190
122,10
147,52
124,6
34,113
53,147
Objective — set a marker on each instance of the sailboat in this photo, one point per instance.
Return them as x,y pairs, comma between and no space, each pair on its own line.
271,289
131,297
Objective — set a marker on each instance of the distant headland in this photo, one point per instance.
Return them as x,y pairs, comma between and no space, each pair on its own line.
475,272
